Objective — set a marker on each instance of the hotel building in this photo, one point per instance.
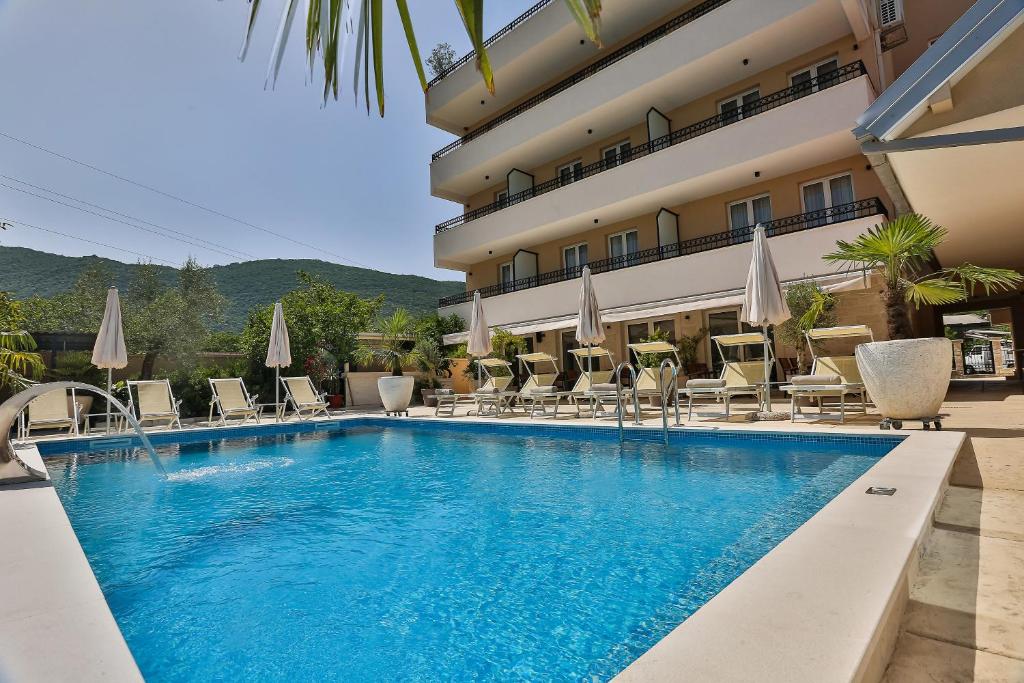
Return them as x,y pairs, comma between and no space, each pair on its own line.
653,158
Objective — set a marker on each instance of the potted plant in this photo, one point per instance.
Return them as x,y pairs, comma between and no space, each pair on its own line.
394,352
433,363
322,368
907,378
811,307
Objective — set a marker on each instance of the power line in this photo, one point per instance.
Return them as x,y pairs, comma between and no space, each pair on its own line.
109,218
220,248
83,239
168,195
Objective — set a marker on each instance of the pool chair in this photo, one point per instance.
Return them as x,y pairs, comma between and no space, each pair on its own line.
738,378
539,391
155,403
305,400
589,361
831,376
232,400
492,396
52,410
650,381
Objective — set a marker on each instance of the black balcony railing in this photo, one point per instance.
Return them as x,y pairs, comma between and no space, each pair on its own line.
466,58
611,58
759,106
782,226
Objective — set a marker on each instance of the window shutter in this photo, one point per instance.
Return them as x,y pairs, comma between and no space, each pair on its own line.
890,12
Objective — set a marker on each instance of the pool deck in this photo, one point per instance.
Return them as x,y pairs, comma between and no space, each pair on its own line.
958,614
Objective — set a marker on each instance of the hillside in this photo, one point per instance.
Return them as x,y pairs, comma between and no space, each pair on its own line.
26,272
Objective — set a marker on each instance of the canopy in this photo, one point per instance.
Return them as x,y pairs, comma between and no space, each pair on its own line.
838,332
653,347
479,343
593,351
740,339
494,363
536,357
109,350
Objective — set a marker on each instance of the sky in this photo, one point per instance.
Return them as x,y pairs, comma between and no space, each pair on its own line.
152,91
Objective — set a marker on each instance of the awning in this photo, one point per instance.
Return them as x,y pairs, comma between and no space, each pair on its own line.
740,339
838,282
536,357
842,331
652,347
593,352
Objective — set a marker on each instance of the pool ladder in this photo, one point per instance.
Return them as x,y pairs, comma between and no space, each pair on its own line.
620,409
668,389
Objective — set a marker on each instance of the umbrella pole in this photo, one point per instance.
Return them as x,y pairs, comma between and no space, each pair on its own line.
277,393
110,385
767,372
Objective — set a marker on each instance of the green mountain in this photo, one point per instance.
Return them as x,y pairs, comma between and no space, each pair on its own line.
26,272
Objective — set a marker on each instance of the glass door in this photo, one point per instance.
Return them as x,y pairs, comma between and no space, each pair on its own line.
814,78
821,197
570,172
622,246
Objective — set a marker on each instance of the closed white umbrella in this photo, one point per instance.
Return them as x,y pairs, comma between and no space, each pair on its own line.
589,328
279,354
109,351
764,303
479,335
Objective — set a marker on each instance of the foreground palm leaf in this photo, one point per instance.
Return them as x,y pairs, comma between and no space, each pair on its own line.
330,24
19,364
902,252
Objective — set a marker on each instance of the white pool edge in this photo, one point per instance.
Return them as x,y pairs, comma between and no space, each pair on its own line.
813,632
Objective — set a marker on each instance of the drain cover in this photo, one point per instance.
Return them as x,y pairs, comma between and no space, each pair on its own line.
880,491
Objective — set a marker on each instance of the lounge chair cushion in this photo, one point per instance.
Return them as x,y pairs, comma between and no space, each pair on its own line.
604,387
817,380
495,390
443,392
547,389
705,383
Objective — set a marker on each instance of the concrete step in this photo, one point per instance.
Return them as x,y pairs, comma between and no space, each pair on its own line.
996,513
970,592
990,462
923,660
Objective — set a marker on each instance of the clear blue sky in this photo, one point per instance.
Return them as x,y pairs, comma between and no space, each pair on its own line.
154,91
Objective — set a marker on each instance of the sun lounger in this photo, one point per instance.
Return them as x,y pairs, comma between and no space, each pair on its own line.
232,400
483,398
305,400
52,410
586,359
155,403
738,378
816,387
539,390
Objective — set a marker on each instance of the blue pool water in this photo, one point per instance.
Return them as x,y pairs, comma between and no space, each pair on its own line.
399,553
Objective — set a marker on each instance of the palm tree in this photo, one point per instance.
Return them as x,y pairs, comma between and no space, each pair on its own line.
19,364
393,353
902,251
330,24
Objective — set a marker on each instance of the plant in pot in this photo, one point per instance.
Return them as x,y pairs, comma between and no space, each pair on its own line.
322,368
907,378
433,363
395,352
811,307
653,360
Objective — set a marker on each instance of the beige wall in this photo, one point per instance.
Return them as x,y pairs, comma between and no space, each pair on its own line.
768,81
924,20
994,85
703,217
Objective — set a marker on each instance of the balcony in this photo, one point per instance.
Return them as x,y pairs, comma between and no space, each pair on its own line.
782,226
782,133
692,55
704,265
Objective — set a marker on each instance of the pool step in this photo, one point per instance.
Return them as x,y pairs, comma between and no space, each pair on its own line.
990,463
996,513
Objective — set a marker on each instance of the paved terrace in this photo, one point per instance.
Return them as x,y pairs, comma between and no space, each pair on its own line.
965,616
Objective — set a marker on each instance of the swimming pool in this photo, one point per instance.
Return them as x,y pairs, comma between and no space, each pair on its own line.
387,550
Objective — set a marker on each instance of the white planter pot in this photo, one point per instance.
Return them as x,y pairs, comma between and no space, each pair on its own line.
395,392
906,378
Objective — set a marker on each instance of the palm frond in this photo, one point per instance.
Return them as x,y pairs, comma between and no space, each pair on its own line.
284,28
377,32
934,291
410,37
254,8
588,15
821,303
472,13
989,279
901,246
18,361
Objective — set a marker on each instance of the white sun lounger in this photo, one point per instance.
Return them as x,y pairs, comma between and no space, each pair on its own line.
837,376
232,400
156,402
490,397
538,391
738,378
52,411
305,400
581,394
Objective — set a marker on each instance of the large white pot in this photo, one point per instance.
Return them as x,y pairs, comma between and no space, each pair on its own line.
906,378
395,392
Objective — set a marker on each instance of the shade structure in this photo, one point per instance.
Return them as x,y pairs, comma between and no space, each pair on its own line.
109,351
764,303
279,354
479,344
589,327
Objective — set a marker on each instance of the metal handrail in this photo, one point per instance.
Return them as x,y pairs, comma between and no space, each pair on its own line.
664,394
708,125
782,226
586,72
619,408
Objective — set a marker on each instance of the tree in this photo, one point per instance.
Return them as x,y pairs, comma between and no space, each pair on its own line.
19,364
330,24
77,310
318,315
811,307
902,251
441,58
11,316
394,351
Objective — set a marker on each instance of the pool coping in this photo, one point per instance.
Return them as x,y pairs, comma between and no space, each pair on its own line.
816,633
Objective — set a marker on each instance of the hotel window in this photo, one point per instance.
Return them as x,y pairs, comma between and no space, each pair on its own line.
575,256
623,245
570,172
616,154
505,274
638,332
815,77
748,212
501,198
738,107
821,197
890,12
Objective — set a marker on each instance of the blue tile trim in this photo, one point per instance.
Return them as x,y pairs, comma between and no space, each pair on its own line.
677,436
